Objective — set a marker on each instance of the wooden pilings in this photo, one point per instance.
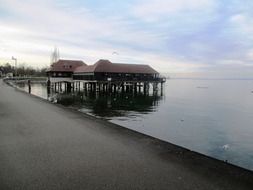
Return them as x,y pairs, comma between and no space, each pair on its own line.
107,86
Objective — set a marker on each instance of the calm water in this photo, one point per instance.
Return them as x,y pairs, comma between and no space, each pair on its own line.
213,117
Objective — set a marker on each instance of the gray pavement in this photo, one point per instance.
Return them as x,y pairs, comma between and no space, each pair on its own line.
46,146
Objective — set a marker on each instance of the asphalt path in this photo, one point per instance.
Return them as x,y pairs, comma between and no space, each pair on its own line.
47,146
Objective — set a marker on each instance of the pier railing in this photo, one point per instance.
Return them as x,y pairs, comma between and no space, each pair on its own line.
120,79
25,79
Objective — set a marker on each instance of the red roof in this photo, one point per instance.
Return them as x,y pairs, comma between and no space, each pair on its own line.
65,65
106,66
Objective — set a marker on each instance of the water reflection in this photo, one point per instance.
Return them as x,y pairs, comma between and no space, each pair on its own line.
38,89
120,104
111,105
106,105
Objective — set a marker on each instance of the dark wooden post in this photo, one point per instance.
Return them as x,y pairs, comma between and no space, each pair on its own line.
161,88
144,88
135,87
29,86
48,86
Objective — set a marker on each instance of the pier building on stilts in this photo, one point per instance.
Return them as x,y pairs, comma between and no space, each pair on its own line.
104,76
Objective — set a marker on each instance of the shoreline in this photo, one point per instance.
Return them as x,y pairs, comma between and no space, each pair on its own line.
201,165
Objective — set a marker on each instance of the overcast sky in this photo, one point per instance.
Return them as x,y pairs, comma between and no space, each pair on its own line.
170,35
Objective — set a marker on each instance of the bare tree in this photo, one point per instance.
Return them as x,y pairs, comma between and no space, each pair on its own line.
55,55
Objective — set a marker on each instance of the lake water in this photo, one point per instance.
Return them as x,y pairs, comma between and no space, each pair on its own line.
213,117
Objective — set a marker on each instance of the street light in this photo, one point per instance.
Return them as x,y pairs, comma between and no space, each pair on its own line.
15,59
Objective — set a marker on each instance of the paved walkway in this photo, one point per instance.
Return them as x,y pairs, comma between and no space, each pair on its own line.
45,146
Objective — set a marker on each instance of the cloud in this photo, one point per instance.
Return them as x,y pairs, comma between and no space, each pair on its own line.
154,10
243,24
249,55
78,34
169,35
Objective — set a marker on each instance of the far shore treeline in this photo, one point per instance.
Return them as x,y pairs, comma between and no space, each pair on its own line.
22,70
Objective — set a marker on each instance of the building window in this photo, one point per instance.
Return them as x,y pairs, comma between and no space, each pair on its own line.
67,66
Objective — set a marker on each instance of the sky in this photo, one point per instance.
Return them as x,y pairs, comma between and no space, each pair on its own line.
170,35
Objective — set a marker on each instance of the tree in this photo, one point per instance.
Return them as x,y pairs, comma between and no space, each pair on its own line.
7,68
55,55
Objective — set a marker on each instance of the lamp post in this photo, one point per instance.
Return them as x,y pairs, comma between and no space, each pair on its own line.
15,59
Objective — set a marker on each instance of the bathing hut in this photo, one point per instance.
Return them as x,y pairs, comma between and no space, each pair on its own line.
110,76
61,72
104,70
